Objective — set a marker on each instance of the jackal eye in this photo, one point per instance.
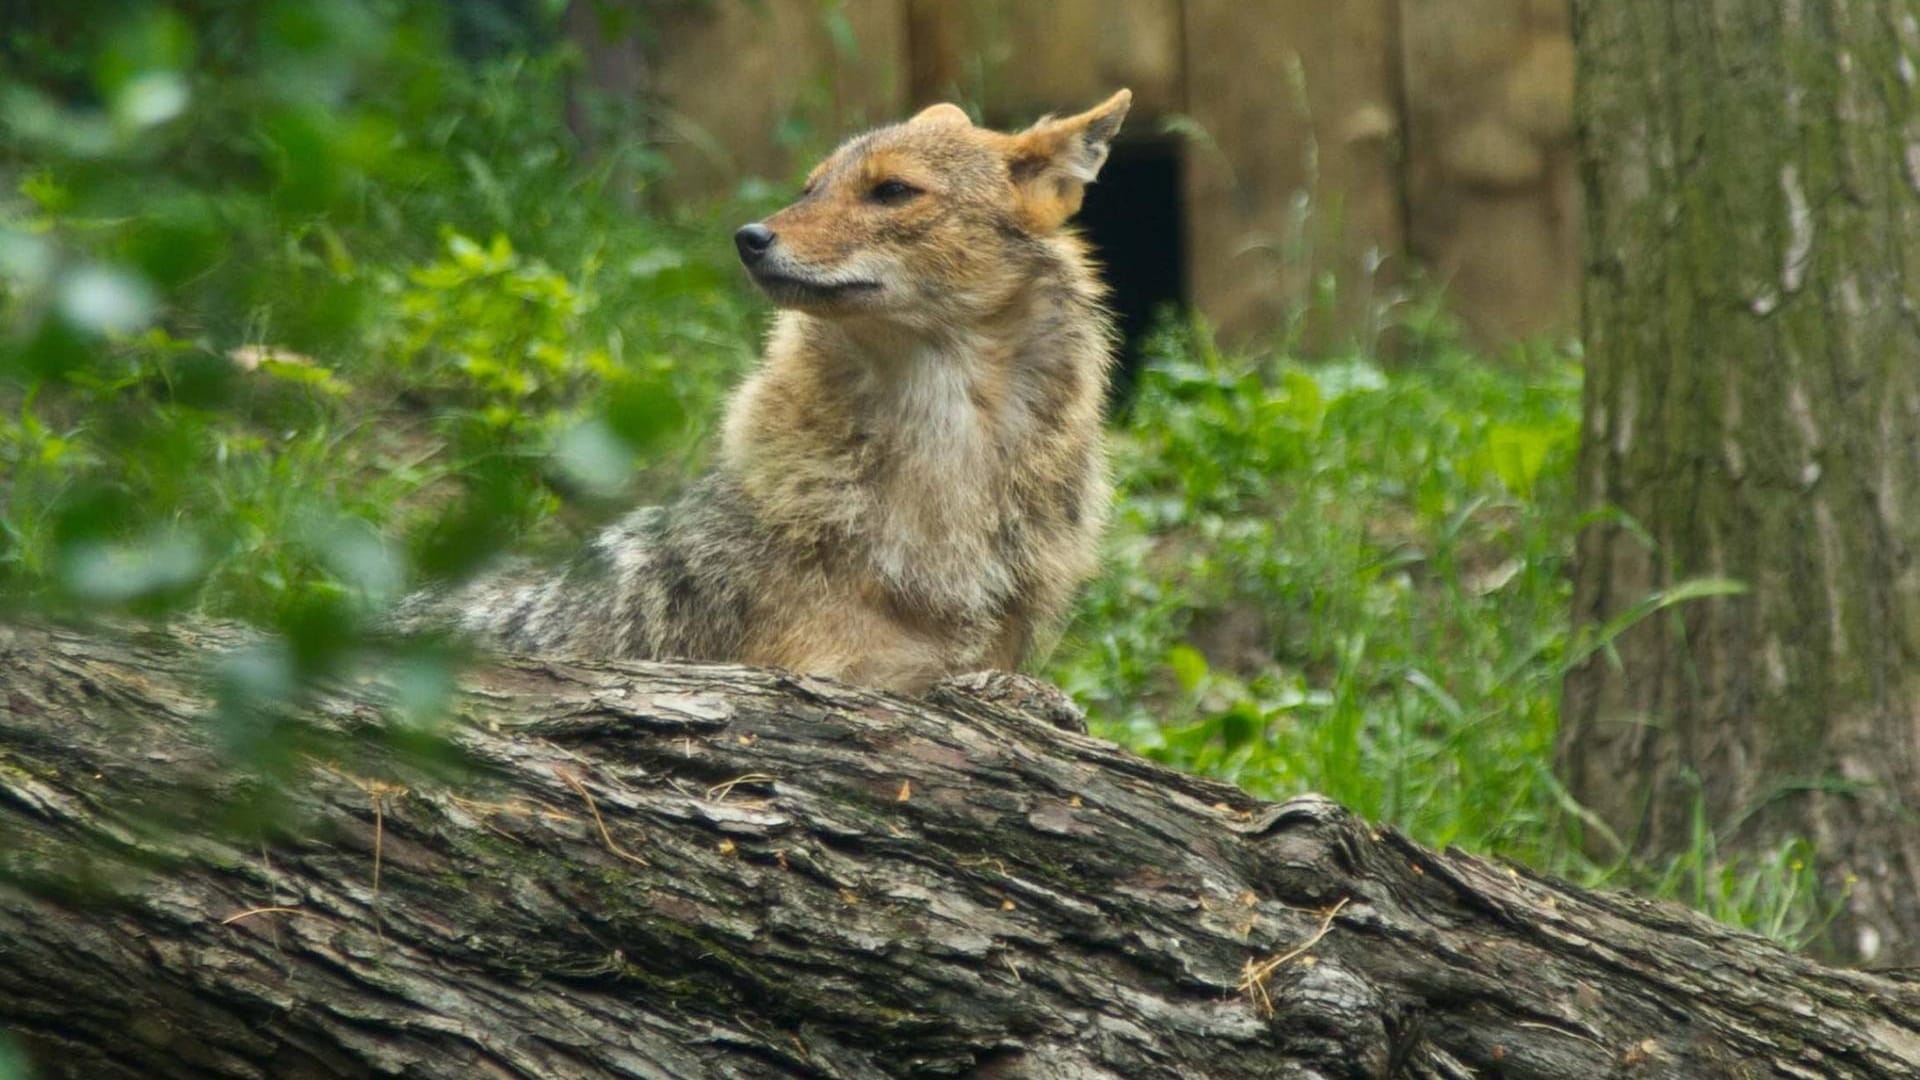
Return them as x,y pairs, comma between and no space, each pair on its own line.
892,192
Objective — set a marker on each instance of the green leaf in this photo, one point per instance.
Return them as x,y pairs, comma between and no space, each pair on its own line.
13,1064
304,373
595,458
1189,666
645,413
1519,453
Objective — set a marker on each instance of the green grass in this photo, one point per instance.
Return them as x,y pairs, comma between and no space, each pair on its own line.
1347,576
1351,577
1347,579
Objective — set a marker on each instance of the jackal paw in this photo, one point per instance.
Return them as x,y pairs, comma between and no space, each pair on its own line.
1010,689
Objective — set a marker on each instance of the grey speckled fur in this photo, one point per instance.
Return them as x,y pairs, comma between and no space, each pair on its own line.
665,581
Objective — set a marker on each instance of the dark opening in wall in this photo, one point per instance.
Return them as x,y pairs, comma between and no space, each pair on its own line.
1136,220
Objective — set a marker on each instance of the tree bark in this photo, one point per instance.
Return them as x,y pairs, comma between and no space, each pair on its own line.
650,870
1752,175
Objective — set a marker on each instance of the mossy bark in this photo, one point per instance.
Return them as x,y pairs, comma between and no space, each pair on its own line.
669,871
1752,316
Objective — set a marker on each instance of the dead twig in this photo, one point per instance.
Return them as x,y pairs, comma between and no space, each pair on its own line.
600,822
719,792
1253,980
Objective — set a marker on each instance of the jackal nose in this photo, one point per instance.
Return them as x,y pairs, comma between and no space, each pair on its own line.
753,241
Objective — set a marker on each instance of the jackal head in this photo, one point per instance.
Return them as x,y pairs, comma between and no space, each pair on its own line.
932,221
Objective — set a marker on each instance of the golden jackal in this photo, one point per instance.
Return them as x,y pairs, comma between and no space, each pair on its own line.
913,484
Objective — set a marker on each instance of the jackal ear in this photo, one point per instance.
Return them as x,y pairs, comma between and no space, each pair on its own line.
944,113
1054,160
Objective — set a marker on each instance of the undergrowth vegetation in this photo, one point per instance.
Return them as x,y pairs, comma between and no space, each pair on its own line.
1350,576
298,309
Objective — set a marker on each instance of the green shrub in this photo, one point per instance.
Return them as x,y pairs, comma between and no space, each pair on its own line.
1346,578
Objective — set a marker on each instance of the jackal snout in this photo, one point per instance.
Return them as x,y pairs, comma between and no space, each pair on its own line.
753,241
795,281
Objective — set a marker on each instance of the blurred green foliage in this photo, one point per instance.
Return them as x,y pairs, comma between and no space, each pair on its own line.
277,275
301,304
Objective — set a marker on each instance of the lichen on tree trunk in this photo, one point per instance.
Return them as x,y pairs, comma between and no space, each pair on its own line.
1752,319
672,871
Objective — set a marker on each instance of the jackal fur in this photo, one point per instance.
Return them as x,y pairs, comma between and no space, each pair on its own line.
913,484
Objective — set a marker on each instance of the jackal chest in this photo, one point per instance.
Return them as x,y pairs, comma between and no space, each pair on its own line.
933,528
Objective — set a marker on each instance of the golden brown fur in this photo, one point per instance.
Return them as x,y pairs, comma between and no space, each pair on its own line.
913,484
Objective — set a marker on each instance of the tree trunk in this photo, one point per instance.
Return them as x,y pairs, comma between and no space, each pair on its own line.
1753,403
648,870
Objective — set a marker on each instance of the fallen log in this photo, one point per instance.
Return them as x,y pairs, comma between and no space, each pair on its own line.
654,870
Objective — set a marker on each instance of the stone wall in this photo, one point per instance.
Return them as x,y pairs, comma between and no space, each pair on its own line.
742,87
1292,175
1347,139
1492,209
